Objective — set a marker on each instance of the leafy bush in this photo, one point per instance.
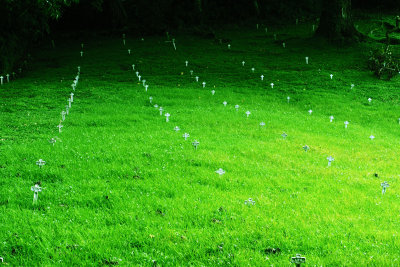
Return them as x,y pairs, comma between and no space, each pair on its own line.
383,63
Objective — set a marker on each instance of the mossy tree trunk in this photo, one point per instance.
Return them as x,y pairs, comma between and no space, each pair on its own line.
336,23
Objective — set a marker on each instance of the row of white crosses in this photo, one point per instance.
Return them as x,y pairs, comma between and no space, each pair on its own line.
36,188
195,143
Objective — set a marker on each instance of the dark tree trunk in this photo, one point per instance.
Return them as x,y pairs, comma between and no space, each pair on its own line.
336,23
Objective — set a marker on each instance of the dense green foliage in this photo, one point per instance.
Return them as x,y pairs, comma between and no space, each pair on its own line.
121,186
383,63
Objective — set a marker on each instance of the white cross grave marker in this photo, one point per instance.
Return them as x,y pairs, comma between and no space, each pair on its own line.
298,260
213,92
262,77
262,124
186,63
248,113
225,103
72,97
204,84
220,171
250,201
52,141
310,111
8,78
252,70
372,137
272,85
288,99
145,87
331,118
284,135
243,63
195,144
306,148
176,129
237,107
40,163
186,136
167,115
63,115
306,60
331,76
330,159
59,127
36,189
161,110
69,102
197,78
229,46
345,124
151,99
1,80
133,66
81,53
129,51
384,186
191,72
369,100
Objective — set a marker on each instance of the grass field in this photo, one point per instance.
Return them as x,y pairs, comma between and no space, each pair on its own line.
120,186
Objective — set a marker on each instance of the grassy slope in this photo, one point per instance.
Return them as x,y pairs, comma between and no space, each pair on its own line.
121,184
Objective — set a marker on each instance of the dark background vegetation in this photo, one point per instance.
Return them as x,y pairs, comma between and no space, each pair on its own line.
28,22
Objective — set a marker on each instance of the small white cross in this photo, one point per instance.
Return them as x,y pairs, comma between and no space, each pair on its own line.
310,111
237,107
151,99
284,135
372,137
137,74
306,60
220,171
191,72
272,85
144,82
40,163
79,69
8,78
186,136
59,127
176,129
155,106
288,99
67,109
204,84
52,141
345,124
173,43
262,124
306,148
1,80
252,70
69,102
72,97
186,63
225,103
250,201
146,86
284,45
195,144
262,77
369,100
384,186
243,63
129,51
352,86
81,53
63,115
139,77
36,189
330,159
213,92
331,118
331,76
167,115
197,78
161,110
248,113
298,260
133,66
229,46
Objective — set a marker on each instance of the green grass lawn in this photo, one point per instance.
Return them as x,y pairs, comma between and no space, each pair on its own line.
122,187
